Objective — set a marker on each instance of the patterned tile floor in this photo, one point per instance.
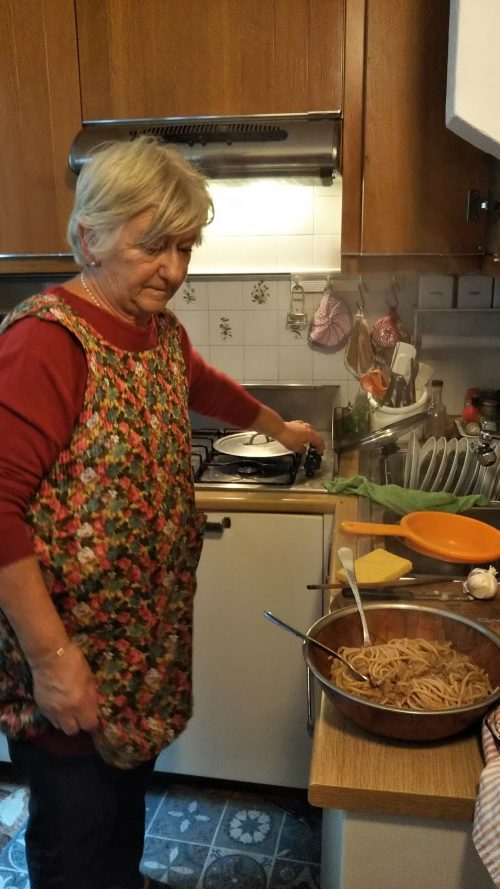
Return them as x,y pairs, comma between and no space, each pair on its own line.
199,835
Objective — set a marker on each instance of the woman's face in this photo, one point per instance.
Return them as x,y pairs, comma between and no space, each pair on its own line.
136,284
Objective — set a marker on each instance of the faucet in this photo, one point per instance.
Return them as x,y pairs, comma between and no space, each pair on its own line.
486,455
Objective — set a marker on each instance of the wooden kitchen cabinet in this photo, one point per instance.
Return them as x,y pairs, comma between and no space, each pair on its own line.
160,58
40,102
405,175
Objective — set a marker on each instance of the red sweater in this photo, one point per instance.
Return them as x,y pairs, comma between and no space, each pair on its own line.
43,374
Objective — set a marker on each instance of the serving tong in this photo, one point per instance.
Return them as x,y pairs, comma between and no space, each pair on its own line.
312,641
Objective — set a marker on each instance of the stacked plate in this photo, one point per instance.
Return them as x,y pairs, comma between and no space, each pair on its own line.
441,465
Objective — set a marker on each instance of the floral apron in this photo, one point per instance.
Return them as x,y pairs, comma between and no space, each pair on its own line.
118,540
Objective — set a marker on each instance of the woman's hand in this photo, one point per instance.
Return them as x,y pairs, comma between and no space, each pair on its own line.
63,684
65,690
296,435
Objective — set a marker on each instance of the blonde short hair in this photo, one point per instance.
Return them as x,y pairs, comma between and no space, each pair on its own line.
121,180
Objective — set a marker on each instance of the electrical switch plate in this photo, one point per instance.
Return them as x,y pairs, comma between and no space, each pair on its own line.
435,292
474,292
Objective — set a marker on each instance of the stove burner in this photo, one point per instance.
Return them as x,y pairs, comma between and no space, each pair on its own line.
211,467
248,468
245,469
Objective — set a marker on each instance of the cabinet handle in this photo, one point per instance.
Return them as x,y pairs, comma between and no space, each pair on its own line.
217,528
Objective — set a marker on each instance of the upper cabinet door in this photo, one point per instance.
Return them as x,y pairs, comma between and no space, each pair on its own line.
40,102
406,176
159,58
474,73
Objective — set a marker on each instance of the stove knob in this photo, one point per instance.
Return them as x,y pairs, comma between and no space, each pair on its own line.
312,461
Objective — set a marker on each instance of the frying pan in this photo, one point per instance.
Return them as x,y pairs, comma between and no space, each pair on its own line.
445,536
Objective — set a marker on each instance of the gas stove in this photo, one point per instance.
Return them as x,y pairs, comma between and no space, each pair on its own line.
297,472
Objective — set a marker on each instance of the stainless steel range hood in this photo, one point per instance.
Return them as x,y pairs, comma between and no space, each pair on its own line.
296,145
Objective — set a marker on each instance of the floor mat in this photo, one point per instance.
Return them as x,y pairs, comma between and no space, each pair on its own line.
201,835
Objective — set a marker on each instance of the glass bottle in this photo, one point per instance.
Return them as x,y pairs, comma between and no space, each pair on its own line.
488,416
437,417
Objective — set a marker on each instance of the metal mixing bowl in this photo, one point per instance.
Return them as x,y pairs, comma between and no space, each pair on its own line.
393,621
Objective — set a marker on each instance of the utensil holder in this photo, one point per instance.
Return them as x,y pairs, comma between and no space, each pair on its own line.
386,416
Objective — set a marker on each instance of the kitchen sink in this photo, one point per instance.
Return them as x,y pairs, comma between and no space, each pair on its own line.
387,468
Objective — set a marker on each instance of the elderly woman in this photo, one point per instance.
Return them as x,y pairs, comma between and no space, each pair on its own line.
99,535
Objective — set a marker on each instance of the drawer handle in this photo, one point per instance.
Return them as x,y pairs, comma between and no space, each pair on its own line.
217,528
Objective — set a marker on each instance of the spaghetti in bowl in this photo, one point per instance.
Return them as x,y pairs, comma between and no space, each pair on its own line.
423,715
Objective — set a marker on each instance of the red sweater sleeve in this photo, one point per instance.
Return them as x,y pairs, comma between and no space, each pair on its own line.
38,399
214,394
41,398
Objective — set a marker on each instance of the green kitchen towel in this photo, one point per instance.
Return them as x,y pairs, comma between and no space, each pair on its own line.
404,500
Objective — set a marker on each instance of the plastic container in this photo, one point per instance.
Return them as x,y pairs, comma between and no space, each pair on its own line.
474,292
386,416
435,292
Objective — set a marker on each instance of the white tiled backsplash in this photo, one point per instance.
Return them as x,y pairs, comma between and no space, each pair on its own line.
270,225
238,323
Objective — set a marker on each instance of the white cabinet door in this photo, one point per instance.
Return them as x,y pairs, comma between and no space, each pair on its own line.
474,73
250,695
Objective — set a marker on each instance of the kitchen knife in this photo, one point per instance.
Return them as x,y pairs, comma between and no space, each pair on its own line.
402,582
409,595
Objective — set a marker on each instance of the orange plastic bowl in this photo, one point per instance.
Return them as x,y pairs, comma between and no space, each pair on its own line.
440,535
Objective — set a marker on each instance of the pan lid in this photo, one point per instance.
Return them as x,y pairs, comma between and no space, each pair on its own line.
250,445
386,435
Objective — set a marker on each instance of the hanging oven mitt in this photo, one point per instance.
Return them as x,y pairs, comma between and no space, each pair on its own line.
331,323
385,332
389,329
358,354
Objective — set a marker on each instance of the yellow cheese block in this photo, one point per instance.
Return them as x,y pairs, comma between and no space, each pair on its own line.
377,567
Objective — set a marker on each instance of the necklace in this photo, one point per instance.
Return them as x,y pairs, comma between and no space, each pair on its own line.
87,289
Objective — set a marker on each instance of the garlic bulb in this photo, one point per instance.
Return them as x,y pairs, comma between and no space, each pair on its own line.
482,583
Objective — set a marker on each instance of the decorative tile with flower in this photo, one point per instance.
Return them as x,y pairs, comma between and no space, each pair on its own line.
225,328
260,293
189,293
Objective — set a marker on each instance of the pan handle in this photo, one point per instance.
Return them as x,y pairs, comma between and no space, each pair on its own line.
376,528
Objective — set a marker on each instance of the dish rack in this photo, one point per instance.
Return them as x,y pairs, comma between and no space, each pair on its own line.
441,465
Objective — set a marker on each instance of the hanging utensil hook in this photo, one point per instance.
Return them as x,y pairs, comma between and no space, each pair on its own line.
396,290
362,291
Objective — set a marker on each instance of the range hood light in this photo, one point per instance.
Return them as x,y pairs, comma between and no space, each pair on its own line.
304,146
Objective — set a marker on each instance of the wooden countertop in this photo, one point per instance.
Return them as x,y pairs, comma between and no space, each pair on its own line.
355,770
266,501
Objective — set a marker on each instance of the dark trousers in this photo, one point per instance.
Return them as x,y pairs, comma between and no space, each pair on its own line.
86,820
